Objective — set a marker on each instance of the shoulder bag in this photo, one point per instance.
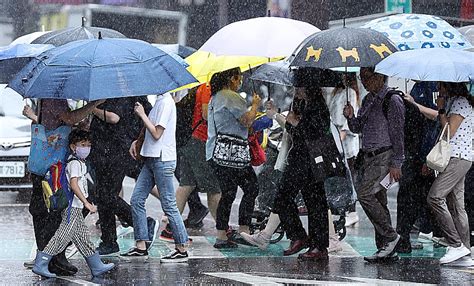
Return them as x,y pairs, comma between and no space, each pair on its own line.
439,156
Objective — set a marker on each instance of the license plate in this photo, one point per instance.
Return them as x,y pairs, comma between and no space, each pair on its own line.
12,169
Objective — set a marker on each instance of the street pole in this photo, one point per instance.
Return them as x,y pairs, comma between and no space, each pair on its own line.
223,13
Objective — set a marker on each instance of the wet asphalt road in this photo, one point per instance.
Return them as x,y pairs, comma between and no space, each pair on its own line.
242,266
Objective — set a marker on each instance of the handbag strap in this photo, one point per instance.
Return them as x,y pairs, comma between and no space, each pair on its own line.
445,130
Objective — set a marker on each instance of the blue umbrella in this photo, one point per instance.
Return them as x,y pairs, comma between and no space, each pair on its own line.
14,57
415,31
438,64
100,68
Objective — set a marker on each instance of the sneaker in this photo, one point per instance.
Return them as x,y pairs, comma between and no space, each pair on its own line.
454,253
104,249
223,244
71,250
334,244
175,257
193,226
197,217
465,261
425,236
166,234
378,259
123,231
152,231
258,239
235,237
134,253
29,264
390,247
351,218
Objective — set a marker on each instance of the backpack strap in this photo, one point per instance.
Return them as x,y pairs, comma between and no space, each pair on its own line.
386,100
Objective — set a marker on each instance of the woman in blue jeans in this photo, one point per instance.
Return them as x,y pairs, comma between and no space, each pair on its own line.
159,155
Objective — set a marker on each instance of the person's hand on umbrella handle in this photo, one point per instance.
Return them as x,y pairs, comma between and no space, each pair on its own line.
256,100
28,112
348,111
133,150
139,110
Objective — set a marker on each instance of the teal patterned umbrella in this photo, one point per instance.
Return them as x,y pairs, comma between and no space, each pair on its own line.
416,31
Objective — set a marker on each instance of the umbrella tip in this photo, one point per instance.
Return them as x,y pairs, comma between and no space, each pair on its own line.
84,20
100,35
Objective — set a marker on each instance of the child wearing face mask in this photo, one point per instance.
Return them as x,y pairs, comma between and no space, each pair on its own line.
73,227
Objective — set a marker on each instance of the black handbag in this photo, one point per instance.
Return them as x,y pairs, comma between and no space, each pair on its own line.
231,151
326,161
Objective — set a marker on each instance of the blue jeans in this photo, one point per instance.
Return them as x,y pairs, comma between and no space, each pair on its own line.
159,173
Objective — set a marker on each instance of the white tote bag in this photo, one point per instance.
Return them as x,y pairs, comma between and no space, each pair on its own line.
439,156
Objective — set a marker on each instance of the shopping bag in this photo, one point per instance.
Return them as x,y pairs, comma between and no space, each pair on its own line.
47,148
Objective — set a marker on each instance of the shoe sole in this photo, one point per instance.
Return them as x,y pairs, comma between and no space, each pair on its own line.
177,260
383,259
171,240
460,264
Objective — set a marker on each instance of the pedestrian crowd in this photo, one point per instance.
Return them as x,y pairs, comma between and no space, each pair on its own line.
211,154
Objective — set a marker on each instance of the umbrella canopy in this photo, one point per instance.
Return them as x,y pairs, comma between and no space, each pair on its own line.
177,49
174,55
22,51
343,47
269,37
100,68
64,36
280,73
415,31
14,57
28,38
437,64
468,32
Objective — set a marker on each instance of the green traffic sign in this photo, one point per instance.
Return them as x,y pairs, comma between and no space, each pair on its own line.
402,6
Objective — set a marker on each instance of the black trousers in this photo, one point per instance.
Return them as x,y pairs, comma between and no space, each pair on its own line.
469,200
411,201
45,223
297,179
229,181
109,178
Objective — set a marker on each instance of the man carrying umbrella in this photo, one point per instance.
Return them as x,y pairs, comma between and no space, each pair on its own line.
383,153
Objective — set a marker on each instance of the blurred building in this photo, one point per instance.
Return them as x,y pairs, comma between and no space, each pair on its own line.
202,18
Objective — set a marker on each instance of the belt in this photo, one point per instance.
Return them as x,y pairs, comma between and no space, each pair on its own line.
377,151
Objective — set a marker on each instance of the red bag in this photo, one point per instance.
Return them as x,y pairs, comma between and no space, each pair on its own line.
257,154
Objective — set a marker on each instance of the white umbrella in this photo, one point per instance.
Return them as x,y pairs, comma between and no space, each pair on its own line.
269,37
28,38
437,64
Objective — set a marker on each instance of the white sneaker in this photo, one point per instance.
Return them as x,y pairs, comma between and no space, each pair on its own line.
334,244
465,261
257,239
122,231
71,250
425,236
351,218
454,253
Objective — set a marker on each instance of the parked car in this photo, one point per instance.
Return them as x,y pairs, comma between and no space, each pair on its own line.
15,141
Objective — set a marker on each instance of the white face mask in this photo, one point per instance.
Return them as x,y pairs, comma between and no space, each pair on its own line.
82,152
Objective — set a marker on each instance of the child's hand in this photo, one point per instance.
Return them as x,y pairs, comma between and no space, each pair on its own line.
91,208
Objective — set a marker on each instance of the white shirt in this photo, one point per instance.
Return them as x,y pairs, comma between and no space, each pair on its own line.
461,142
77,169
164,115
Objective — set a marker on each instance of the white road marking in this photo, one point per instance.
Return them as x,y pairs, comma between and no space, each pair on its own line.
77,281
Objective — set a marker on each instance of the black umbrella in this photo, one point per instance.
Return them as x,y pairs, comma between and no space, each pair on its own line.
281,73
343,47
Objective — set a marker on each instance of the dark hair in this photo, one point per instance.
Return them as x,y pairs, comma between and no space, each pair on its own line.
78,135
222,79
457,89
